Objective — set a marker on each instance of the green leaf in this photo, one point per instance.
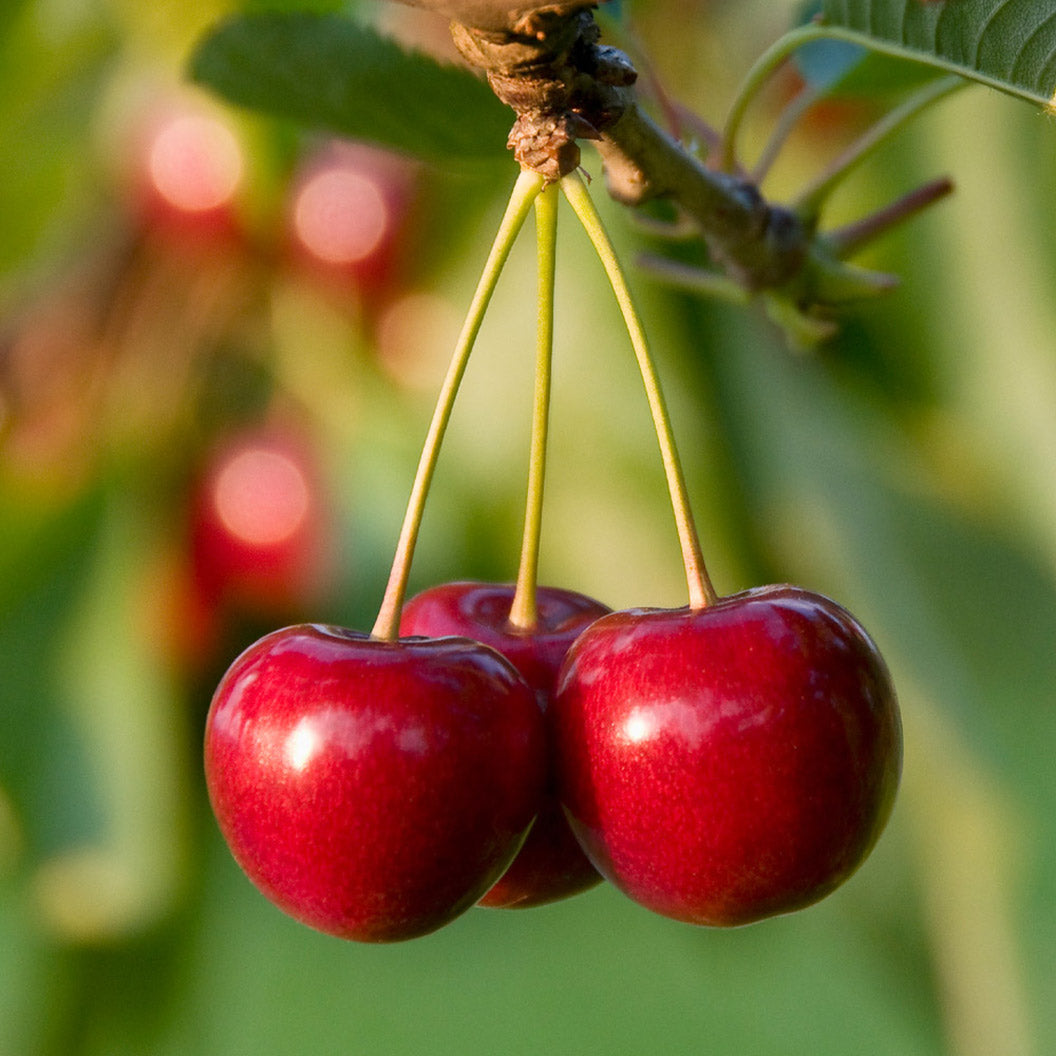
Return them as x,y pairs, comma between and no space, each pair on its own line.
842,68
1007,44
846,68
329,73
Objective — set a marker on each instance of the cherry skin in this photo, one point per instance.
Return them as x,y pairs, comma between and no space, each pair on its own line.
550,865
374,790
731,763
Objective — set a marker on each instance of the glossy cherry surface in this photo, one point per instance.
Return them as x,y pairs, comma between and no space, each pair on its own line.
550,865
731,763
373,790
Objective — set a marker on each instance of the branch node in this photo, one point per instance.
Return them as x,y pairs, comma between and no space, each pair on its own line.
562,84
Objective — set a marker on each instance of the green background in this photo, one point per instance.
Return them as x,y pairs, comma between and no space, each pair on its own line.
906,468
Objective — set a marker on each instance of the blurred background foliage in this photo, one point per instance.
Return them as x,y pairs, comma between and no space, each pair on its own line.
149,342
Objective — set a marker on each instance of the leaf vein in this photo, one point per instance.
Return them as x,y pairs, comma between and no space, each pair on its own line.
977,59
1037,32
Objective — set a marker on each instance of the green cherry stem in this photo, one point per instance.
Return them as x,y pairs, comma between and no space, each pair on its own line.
525,191
811,199
701,591
786,46
754,80
523,612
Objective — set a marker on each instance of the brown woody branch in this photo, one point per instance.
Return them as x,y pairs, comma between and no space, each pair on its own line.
547,63
497,16
565,86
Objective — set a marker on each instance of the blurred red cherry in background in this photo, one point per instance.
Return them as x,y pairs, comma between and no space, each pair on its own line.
259,531
348,214
188,171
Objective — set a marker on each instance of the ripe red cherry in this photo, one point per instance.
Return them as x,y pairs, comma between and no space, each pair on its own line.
371,789
731,763
348,214
258,533
189,173
550,865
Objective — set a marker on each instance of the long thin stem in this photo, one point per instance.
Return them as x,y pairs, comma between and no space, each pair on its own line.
524,613
525,191
701,591
786,123
696,280
845,241
811,199
754,80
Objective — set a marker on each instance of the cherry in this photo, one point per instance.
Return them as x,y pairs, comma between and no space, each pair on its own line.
373,789
728,763
348,214
189,169
550,865
258,532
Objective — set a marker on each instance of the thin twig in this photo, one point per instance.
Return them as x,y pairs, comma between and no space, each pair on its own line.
845,241
811,199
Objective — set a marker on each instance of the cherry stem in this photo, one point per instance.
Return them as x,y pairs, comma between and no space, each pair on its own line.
701,591
697,280
754,80
525,191
524,613
782,49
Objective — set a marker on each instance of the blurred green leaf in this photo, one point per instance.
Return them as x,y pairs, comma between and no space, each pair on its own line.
1008,44
328,73
26,968
125,712
42,762
49,85
843,68
9,12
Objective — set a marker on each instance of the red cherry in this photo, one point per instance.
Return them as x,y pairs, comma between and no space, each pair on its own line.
731,763
258,534
348,213
550,865
190,173
372,789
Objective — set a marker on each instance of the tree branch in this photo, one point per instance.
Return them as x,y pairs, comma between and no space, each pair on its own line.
759,244
566,86
547,63
498,16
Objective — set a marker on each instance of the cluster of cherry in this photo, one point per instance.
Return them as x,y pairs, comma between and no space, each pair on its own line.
257,542
512,745
718,765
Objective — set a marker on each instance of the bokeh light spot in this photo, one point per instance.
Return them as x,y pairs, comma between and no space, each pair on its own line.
341,216
261,497
195,163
